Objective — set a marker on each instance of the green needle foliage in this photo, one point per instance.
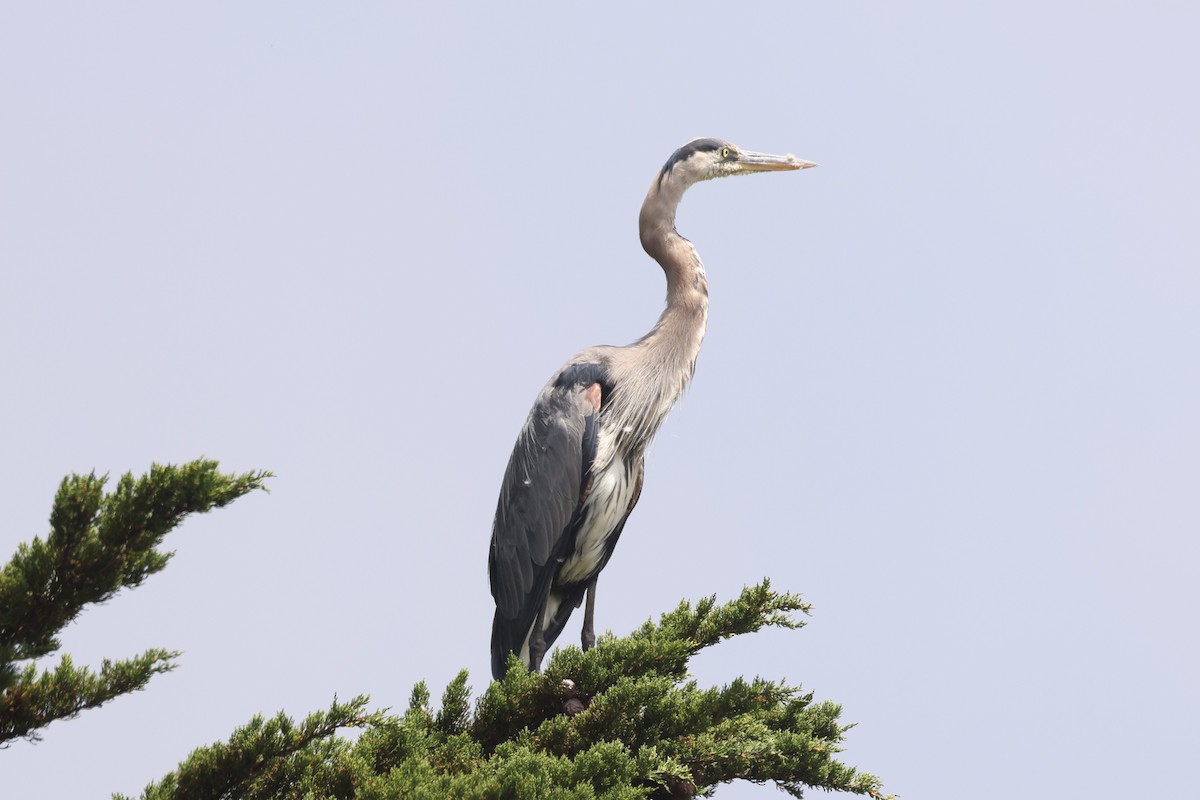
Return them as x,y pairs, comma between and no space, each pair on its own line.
98,543
647,730
272,758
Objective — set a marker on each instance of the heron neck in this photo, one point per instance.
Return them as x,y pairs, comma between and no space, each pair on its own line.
680,329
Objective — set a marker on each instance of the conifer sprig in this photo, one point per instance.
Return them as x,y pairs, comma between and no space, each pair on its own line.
98,544
268,758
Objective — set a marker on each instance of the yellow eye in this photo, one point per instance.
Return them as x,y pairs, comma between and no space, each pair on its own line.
724,152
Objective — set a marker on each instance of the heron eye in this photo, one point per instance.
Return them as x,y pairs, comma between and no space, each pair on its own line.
725,152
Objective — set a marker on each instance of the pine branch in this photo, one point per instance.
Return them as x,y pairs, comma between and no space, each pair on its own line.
34,701
272,758
98,544
754,730
662,649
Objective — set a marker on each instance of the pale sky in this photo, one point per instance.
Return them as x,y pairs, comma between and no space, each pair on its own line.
949,392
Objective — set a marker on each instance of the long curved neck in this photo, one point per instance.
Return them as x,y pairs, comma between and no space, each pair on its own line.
675,340
651,373
686,313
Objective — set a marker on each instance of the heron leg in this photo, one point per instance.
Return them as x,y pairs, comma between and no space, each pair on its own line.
537,642
588,636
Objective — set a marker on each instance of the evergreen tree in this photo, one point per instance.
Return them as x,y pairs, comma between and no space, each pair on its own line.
619,722
98,543
646,730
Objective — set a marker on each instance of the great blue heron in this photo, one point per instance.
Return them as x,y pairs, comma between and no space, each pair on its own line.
576,470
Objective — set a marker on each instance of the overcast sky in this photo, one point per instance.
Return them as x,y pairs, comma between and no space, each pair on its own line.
950,388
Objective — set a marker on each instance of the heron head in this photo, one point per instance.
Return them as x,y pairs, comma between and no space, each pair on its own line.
705,159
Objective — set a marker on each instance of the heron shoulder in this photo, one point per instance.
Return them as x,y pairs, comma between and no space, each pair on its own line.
580,374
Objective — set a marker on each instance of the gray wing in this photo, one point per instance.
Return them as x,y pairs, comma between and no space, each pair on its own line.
540,502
